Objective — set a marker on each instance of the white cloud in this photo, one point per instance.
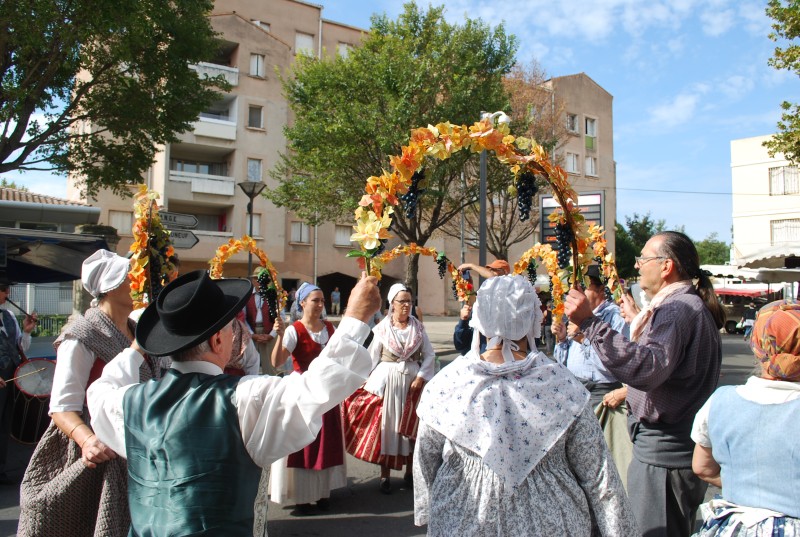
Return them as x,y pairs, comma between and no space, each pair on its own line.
717,21
677,111
737,86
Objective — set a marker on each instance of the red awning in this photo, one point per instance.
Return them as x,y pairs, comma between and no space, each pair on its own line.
750,293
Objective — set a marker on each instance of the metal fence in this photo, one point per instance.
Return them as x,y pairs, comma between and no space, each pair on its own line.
44,298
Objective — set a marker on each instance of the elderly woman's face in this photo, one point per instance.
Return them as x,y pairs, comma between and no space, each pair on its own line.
402,304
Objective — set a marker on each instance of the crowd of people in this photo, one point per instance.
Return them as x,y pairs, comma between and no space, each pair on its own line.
190,420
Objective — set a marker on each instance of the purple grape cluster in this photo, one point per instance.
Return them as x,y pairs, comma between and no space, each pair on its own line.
526,189
411,198
564,238
268,291
441,262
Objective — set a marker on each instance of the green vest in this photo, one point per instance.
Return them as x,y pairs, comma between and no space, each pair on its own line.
188,470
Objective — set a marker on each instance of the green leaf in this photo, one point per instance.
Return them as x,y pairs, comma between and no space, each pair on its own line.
358,253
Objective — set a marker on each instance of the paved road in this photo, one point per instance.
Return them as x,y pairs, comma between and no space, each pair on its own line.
359,509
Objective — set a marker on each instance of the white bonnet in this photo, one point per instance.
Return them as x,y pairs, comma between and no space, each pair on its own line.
507,310
506,307
104,271
394,289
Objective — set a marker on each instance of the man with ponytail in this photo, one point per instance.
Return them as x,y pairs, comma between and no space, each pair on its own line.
671,366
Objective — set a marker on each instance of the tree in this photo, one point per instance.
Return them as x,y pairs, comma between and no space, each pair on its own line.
535,113
352,114
91,88
786,15
4,183
630,240
713,251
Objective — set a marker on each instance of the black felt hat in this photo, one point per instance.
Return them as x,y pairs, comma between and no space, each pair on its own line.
189,310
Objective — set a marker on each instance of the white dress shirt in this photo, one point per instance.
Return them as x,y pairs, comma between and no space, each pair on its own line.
277,415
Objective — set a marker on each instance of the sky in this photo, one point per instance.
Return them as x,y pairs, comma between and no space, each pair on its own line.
687,77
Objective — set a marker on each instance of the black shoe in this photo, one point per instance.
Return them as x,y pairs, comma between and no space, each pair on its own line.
303,509
386,486
324,504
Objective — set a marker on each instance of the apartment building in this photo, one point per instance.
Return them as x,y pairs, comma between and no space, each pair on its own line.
588,154
240,137
766,205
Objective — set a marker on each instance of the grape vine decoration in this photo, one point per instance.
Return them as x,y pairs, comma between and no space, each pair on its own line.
564,238
526,189
411,198
268,291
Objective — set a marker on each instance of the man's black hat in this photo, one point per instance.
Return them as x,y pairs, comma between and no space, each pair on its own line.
188,311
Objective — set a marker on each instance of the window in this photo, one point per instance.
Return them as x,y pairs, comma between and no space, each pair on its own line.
785,231
256,231
41,226
257,65
591,134
304,44
300,233
343,49
783,180
196,166
254,169
573,163
255,115
591,166
263,25
342,237
122,221
572,122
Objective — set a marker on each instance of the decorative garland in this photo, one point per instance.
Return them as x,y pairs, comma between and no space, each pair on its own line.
151,268
605,260
373,217
462,289
268,285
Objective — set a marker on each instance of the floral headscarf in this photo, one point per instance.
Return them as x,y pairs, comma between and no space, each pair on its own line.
776,339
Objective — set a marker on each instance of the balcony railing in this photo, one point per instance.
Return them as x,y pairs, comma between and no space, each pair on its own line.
202,183
208,125
211,70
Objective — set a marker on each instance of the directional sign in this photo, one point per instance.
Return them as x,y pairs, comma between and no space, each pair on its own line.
182,238
173,220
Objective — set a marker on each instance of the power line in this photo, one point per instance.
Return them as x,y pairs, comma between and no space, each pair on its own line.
692,192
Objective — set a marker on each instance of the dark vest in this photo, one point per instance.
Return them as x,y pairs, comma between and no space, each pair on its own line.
9,352
188,470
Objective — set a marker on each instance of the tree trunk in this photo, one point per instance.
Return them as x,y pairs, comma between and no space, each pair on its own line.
412,267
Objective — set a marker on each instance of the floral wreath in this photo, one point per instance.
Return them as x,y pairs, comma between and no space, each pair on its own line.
151,268
373,217
268,285
462,289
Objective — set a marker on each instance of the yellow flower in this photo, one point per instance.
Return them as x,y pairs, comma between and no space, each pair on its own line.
370,229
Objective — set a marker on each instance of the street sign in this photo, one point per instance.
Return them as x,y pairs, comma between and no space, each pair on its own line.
173,220
183,238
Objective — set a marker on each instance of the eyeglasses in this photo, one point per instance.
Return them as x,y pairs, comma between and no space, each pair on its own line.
641,260
403,302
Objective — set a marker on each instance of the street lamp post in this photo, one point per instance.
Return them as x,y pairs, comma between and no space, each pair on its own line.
251,190
497,117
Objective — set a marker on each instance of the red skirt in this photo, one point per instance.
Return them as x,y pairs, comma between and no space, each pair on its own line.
326,450
362,414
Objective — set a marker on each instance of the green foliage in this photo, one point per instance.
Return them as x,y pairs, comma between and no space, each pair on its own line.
12,184
786,27
631,238
353,113
122,65
713,251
